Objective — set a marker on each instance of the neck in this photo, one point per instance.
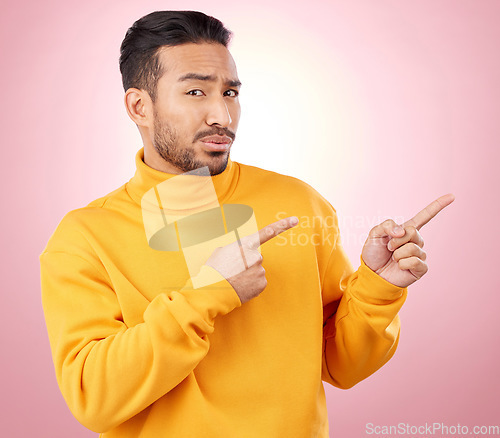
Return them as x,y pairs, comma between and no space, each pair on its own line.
153,159
147,177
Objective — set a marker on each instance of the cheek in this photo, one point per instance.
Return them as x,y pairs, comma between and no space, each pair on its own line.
235,115
185,121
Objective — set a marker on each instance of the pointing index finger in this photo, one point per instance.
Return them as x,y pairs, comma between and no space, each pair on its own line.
424,216
272,230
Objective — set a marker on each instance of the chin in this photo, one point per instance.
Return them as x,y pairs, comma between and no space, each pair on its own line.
218,162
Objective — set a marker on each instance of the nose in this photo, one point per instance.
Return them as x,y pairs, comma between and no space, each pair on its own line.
218,113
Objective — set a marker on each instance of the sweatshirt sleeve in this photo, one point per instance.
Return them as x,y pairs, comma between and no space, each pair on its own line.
361,322
108,372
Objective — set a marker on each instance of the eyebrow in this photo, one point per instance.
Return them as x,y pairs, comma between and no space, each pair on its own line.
211,78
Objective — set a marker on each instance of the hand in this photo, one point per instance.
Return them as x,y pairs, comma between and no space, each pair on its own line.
395,252
240,262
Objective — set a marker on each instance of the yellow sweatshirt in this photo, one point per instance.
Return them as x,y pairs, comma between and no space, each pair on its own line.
138,351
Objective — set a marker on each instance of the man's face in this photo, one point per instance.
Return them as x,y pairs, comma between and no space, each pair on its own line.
197,110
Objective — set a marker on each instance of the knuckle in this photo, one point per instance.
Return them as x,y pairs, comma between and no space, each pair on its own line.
388,223
254,258
415,249
411,231
382,226
415,236
407,263
376,229
414,261
417,263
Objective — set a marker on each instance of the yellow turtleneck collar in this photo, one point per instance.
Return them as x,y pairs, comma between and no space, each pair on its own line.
146,178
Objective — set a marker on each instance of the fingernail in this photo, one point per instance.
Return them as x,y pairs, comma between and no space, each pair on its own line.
397,229
294,220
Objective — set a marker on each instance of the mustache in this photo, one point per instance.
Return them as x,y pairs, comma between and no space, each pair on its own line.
215,131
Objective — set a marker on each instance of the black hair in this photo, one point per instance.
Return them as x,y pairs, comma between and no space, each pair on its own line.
140,64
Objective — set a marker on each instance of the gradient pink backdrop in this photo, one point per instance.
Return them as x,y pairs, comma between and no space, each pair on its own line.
380,105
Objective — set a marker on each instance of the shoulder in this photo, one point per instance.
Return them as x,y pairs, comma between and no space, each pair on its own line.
284,187
73,230
107,200
274,181
100,209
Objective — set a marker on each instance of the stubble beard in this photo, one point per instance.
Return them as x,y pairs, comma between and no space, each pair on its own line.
166,143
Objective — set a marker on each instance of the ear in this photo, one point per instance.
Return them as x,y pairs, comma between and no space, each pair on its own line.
139,106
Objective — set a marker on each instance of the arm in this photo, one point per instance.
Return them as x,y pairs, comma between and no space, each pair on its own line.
362,334
108,372
361,330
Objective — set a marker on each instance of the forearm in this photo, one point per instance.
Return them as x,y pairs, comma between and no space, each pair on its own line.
109,372
363,333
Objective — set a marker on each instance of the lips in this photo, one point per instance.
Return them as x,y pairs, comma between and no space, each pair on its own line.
216,142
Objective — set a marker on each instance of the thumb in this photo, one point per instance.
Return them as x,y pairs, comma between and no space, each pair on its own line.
388,228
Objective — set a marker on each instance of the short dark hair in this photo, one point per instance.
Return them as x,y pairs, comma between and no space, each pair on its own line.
140,65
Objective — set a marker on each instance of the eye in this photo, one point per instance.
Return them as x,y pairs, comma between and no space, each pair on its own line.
232,93
195,93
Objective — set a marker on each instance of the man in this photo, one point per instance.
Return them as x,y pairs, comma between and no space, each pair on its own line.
147,342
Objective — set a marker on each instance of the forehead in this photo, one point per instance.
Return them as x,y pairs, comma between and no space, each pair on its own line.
205,59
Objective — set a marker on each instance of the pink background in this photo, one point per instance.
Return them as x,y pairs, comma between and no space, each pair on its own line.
381,105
